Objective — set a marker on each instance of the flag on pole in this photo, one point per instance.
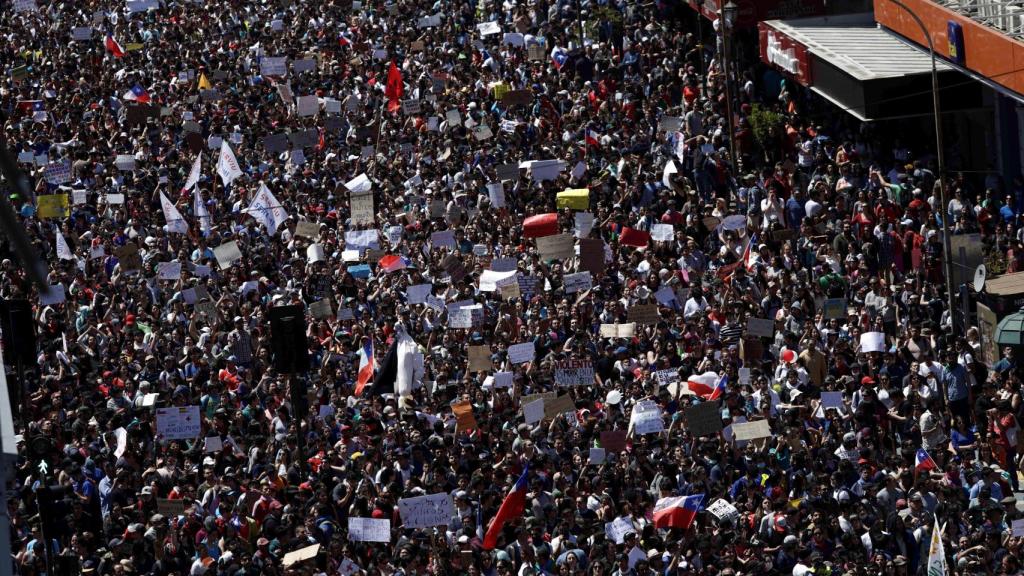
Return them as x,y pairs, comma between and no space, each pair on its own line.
137,94
392,263
267,210
558,57
227,164
936,553
194,173
511,508
394,88
205,221
592,138
703,385
719,388
748,260
677,511
924,461
366,366
175,223
113,46
63,250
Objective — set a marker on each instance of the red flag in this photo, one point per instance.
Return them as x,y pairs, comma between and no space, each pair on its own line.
393,90
540,225
113,46
511,508
634,237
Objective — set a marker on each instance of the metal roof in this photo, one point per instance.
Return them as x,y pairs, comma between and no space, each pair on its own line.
854,44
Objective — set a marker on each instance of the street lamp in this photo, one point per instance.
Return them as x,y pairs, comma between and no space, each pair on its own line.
941,159
727,18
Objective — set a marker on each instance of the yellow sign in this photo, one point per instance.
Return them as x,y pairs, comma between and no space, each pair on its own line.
53,206
500,89
204,82
573,199
133,46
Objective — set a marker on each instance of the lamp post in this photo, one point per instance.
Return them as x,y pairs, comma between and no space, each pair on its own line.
726,18
940,157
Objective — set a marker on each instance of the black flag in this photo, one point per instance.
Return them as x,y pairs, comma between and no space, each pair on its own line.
384,381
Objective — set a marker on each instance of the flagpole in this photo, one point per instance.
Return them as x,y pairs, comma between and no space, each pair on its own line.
380,130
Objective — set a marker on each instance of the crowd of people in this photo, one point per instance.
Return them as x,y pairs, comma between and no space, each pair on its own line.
549,324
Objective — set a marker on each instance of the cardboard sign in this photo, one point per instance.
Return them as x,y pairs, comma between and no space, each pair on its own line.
369,529
643,314
128,257
301,554
170,508
321,309
760,327
536,52
426,511
592,255
178,423
574,373
556,247
517,98
410,107
309,230
453,265
614,441
704,419
464,418
751,430
363,210
480,358
618,330
558,405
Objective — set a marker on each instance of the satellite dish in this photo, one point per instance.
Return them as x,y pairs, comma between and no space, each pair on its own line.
979,278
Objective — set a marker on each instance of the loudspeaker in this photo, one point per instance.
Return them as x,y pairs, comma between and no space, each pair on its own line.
19,332
288,339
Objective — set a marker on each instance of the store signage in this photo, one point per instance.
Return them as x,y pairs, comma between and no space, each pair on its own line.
785,54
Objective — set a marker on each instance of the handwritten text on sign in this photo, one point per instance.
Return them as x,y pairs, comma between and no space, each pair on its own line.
426,511
178,423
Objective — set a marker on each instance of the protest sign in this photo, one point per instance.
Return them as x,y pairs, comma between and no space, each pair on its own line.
369,529
703,419
834,308
227,254
178,422
760,327
646,418
464,418
417,293
832,400
751,430
480,358
597,456
643,314
54,295
170,508
296,556
521,353
614,440
309,230
274,66
723,510
573,283
128,257
558,405
618,330
53,206
616,530
534,411
872,342
426,511
362,209
574,373
556,246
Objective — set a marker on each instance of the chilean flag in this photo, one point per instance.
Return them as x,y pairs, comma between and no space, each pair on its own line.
592,138
392,263
748,262
677,511
343,40
113,46
704,385
719,388
366,366
138,94
924,461
512,507
558,57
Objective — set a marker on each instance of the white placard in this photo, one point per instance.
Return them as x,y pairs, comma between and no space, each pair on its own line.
521,353
488,28
213,444
490,280
227,254
751,430
362,209
722,510
362,240
443,239
647,418
274,66
872,342
577,282
832,400
359,185
369,530
417,294
125,162
662,232
426,511
1017,527
78,197
114,199
178,423
597,456
169,270
534,411
496,194
307,105
616,530
584,224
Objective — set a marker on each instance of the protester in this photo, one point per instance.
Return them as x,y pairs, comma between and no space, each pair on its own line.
552,327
